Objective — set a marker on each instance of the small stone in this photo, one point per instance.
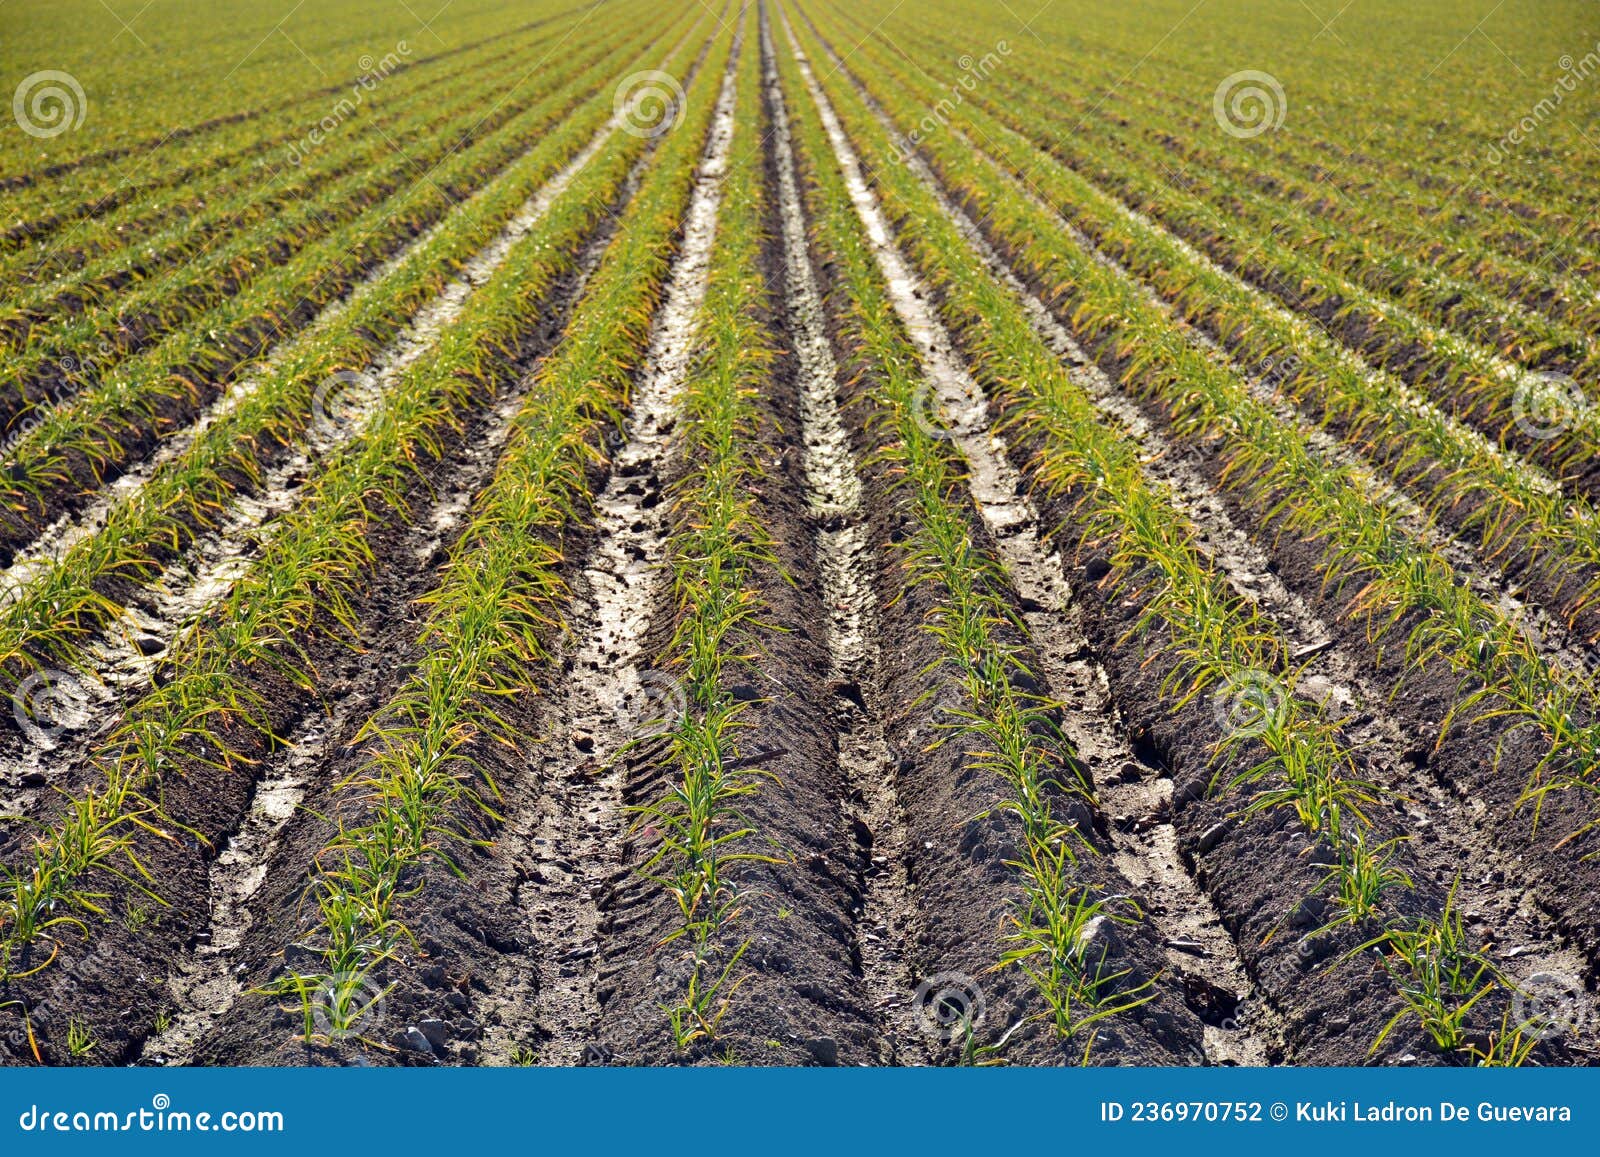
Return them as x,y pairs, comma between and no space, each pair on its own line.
824,1050
149,645
583,741
1211,837
437,1032
413,1040
34,779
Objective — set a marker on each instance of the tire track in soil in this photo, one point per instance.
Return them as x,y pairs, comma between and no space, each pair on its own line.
887,922
127,653
207,982
1495,907
1195,943
567,841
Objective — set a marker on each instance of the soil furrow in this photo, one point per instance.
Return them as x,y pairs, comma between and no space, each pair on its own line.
1445,843
1010,528
257,882
566,840
211,901
887,922
1469,761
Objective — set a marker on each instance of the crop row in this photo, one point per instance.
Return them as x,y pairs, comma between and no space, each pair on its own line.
120,257
100,431
1512,510
57,608
89,203
1219,640
297,256
1469,382
313,563
1401,583
500,599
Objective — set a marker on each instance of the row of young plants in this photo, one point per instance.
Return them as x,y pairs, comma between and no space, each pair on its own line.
1332,107
296,253
1511,509
306,575
1447,249
1397,582
1013,731
32,245
55,613
719,554
500,598
70,448
1355,243
190,112
1388,306
229,234
1443,230
1466,380
1216,638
